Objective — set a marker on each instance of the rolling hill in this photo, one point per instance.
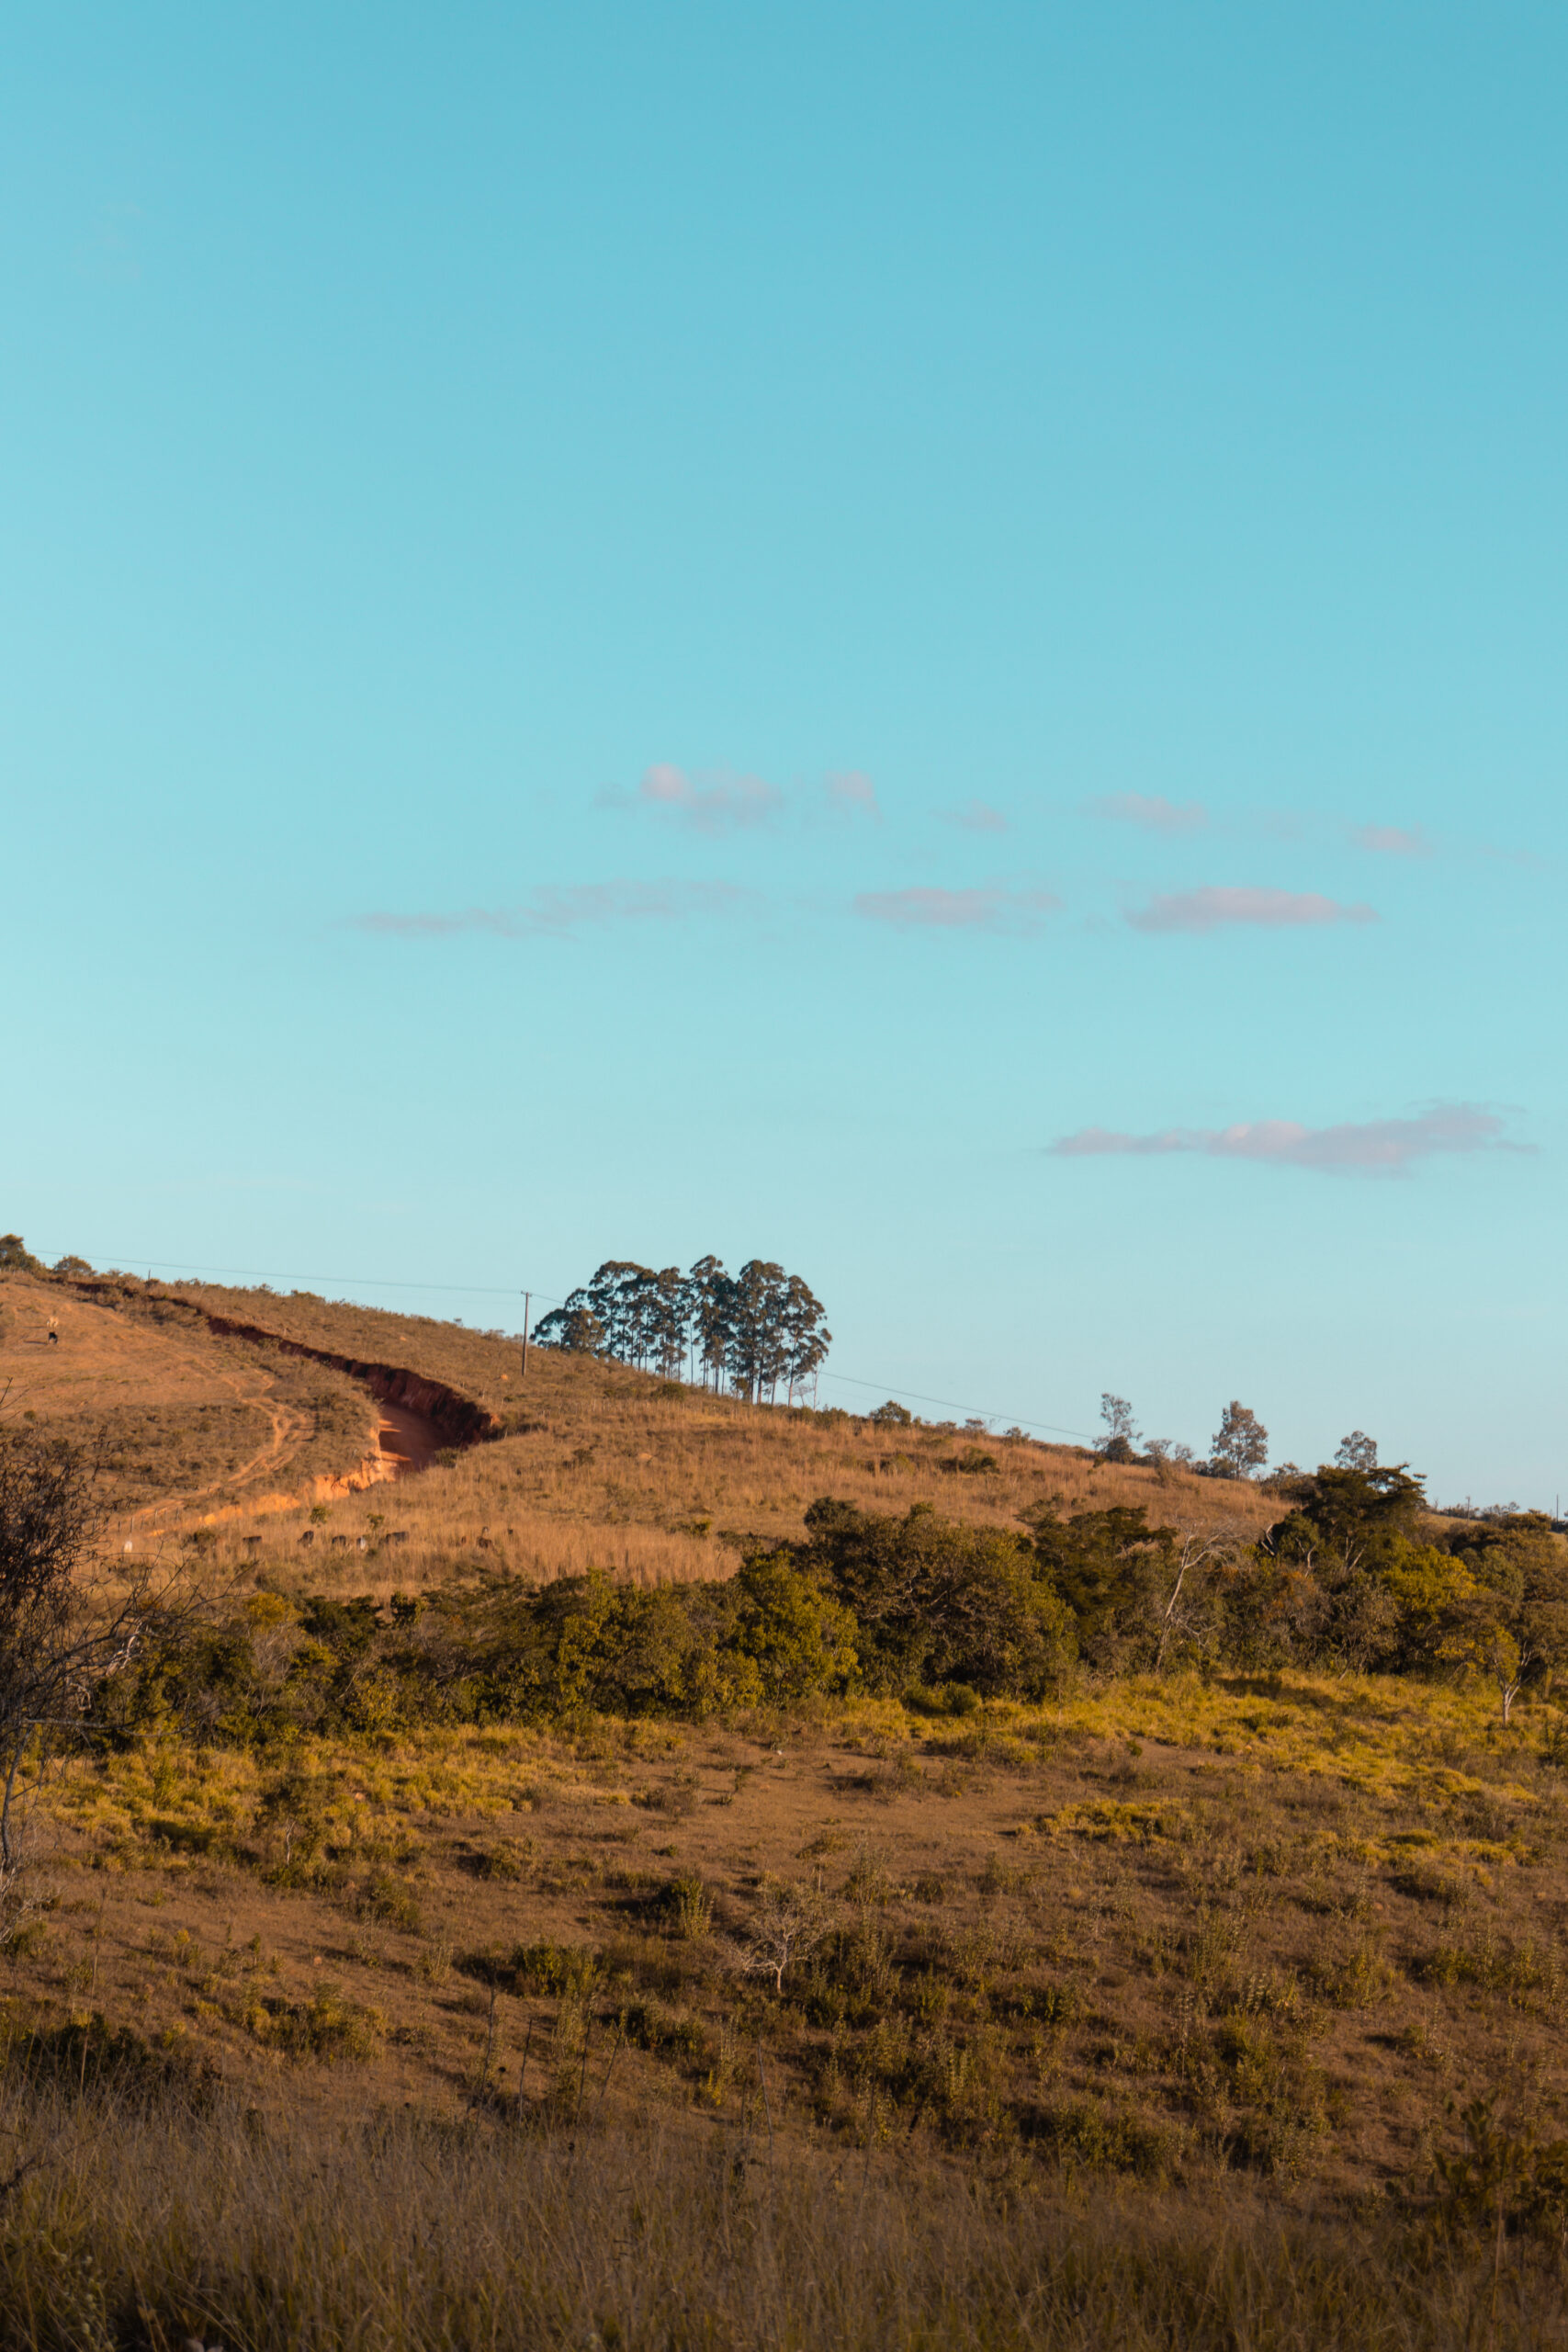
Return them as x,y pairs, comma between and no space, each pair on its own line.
1205,1991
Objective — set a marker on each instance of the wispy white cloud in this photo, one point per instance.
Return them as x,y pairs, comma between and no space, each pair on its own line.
1018,913
854,793
1151,813
713,804
1366,1148
721,801
1212,906
975,817
551,913
1391,841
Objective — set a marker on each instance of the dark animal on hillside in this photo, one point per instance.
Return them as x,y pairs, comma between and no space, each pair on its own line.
338,1543
309,1536
252,1543
397,1535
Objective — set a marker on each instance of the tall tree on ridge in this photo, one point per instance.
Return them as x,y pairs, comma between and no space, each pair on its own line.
574,1327
756,1349
667,1315
754,1328
615,1296
710,1309
1240,1444
805,1341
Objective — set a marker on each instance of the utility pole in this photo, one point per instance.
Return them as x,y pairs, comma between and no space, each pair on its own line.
527,1298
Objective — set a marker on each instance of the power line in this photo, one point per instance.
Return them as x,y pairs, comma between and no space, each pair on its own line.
495,1290
357,1282
844,1381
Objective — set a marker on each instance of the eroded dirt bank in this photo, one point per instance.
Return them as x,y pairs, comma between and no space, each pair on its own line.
406,1442
408,1395
420,1416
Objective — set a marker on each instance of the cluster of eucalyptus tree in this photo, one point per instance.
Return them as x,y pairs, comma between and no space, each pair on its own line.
758,1331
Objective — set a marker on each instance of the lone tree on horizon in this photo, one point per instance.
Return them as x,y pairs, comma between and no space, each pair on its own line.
1120,1438
1240,1445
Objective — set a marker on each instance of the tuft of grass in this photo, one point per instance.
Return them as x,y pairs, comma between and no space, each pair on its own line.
689,1908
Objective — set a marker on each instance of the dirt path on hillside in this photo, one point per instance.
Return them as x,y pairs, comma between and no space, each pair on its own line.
290,1429
414,1420
407,1442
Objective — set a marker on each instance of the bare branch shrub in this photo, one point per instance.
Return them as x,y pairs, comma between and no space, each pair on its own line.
60,1635
787,1928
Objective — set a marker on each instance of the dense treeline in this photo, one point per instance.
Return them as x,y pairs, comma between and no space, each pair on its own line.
1353,1578
758,1331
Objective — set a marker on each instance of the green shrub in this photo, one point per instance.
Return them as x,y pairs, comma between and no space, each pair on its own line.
555,1969
327,2027
1106,2138
689,1908
390,1901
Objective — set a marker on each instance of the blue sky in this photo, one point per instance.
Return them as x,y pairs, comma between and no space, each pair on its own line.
925,642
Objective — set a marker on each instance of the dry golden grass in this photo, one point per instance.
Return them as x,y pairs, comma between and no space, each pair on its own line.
608,1473
185,1424
1165,1930
601,1466
158,2221
610,1448
1244,1945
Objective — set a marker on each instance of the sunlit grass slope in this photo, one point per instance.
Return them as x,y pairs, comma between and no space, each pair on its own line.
1120,1987
603,1466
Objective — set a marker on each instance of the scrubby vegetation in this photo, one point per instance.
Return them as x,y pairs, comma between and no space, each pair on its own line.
1350,1578
995,1896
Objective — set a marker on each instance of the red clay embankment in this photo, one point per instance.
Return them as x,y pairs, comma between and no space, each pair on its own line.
459,1418
421,1414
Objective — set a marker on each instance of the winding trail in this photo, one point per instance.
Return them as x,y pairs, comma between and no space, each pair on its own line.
290,1428
418,1417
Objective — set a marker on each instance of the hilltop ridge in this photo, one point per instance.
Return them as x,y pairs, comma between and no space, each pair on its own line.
583,1462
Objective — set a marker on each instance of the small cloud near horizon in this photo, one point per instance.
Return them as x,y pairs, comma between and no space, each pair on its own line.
1018,913
1214,906
1151,813
1391,841
552,913
1366,1148
975,817
855,792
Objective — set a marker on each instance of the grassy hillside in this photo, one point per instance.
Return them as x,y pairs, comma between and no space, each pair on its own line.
600,1466
183,1424
1230,1953
1147,2010
1263,1929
